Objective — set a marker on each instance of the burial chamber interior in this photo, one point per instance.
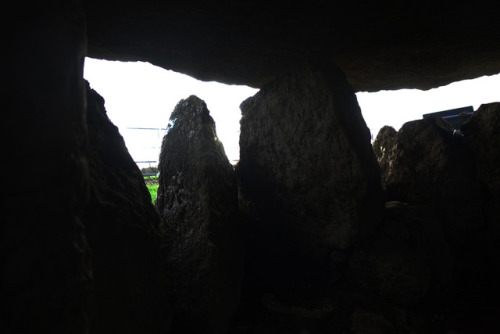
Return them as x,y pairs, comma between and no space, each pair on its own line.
85,252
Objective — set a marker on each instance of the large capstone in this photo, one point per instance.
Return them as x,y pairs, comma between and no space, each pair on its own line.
308,176
128,291
198,202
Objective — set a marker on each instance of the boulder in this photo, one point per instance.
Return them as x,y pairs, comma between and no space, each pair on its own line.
452,173
308,178
408,253
198,202
44,253
482,137
383,148
121,224
427,163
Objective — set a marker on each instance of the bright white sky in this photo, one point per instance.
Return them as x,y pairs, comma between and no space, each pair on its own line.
142,95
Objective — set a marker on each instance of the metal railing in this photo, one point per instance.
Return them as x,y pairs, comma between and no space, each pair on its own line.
154,148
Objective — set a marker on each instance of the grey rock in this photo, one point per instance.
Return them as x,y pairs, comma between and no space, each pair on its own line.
44,252
307,174
407,254
482,137
426,164
128,292
198,202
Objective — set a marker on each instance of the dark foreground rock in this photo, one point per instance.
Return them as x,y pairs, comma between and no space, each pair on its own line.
198,202
408,253
308,177
43,251
383,147
128,290
427,163
482,137
451,177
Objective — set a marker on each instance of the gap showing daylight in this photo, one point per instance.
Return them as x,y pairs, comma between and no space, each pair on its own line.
140,97
397,107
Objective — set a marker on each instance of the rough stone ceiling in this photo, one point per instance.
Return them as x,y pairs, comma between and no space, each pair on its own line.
378,44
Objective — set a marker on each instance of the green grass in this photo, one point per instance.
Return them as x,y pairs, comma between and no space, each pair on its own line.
152,184
153,189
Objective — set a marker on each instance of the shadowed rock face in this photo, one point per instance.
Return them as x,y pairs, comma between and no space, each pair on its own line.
482,137
308,177
379,45
77,235
128,289
407,255
452,176
198,202
44,253
426,162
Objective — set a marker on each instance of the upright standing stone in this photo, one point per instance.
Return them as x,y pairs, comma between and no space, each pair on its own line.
43,252
128,292
198,203
427,163
482,137
383,148
308,176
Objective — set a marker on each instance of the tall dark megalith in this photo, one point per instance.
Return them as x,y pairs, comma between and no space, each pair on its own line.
426,162
308,177
482,137
198,203
128,292
43,251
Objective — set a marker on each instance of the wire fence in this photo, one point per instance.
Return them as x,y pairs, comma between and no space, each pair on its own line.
144,145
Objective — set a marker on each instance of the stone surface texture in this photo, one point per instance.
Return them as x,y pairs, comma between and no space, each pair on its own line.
198,202
79,249
128,292
307,173
482,133
408,251
387,45
426,162
44,254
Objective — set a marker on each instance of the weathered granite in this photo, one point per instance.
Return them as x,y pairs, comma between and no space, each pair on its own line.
198,202
308,177
129,292
382,45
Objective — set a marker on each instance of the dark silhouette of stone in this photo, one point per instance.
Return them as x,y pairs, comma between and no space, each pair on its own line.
427,163
43,250
129,292
451,174
408,253
308,177
383,147
387,45
482,137
369,322
198,202
54,235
